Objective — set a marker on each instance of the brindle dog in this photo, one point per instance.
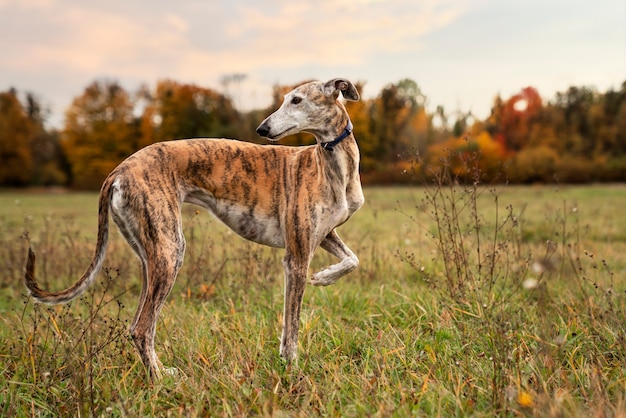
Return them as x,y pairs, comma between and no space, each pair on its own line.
290,197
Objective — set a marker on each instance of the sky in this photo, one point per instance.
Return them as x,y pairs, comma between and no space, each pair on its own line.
461,53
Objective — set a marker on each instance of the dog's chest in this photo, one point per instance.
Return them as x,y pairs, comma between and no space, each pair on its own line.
340,211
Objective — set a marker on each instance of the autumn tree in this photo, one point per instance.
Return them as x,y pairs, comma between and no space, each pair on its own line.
615,117
100,131
178,111
16,134
515,117
50,166
575,104
398,119
366,138
614,120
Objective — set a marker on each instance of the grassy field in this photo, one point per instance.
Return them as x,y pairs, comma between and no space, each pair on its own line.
469,301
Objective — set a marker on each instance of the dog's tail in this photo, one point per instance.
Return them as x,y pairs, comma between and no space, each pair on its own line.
91,273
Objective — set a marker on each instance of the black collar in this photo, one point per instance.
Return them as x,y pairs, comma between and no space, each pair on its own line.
329,146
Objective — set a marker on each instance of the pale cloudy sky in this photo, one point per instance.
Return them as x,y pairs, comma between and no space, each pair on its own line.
461,53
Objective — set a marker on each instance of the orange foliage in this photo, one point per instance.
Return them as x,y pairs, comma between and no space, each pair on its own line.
466,154
16,134
516,118
98,133
186,111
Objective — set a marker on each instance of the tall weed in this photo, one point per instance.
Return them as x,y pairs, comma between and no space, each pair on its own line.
521,298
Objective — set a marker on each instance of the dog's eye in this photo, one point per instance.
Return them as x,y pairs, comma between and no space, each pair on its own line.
296,100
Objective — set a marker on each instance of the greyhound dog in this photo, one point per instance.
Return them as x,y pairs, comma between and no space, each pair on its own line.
287,197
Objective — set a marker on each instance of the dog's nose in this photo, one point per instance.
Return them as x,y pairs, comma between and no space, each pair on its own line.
263,129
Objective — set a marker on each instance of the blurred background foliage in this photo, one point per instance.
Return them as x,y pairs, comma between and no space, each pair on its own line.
578,136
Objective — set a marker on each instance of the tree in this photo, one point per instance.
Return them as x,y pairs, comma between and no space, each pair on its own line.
607,123
516,116
99,133
187,111
16,134
575,105
49,163
392,114
368,142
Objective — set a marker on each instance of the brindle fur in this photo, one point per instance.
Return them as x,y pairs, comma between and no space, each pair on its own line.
290,197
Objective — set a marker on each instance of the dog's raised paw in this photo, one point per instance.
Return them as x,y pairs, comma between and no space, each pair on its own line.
316,280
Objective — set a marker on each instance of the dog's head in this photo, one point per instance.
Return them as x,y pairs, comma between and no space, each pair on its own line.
308,108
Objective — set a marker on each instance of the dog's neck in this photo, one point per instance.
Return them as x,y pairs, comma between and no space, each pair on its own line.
329,146
339,155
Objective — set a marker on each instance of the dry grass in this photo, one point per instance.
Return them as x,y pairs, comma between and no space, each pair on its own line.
469,301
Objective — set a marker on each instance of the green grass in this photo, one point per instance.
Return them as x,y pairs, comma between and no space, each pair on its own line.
445,316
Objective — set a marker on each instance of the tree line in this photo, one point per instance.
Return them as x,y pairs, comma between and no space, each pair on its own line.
577,136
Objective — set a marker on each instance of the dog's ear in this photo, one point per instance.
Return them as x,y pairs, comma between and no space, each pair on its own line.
336,85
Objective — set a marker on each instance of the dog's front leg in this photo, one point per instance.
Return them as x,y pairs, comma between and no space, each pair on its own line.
349,261
295,281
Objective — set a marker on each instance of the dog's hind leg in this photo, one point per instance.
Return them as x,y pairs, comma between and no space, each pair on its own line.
349,261
155,233
128,230
165,257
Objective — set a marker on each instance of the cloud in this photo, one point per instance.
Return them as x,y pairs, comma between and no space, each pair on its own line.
347,31
83,39
25,4
462,53
87,38
71,42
